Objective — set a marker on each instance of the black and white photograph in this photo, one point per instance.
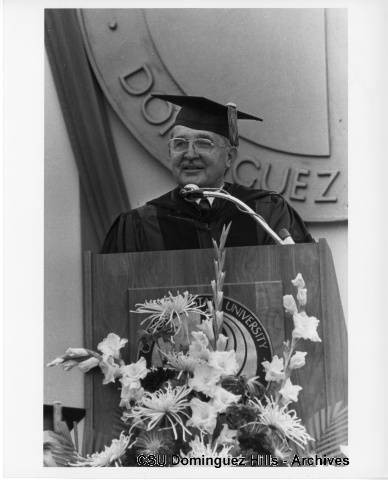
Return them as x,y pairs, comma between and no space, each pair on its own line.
199,307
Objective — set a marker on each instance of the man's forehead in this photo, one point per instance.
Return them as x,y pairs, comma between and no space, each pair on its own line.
186,132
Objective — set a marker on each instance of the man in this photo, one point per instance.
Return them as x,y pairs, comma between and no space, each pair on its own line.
202,146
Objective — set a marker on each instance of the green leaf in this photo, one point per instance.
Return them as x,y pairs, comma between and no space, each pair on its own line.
329,428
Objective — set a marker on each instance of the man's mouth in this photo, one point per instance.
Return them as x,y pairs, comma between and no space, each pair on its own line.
192,168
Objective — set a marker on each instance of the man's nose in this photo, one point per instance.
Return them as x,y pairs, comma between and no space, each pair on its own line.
191,151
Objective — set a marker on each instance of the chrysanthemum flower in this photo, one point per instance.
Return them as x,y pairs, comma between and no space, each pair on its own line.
181,362
154,443
201,449
169,404
166,312
286,421
109,455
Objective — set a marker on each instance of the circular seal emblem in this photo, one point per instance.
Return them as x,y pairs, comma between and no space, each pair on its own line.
246,336
285,69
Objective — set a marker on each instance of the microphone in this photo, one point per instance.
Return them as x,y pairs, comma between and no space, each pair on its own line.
191,190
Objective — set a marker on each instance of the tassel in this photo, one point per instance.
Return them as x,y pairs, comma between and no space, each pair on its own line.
232,123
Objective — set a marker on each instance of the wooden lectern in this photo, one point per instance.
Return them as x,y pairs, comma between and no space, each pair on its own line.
256,279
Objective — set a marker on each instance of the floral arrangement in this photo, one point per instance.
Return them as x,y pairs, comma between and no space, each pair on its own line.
194,405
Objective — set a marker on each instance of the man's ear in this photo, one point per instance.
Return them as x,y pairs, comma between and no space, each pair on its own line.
232,154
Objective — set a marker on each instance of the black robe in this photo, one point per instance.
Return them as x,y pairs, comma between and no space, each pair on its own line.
172,223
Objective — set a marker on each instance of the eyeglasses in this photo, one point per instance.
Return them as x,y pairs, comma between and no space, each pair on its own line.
181,145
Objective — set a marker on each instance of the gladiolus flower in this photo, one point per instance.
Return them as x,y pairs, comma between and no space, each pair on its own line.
88,364
290,392
298,281
274,370
204,415
298,360
222,399
301,296
111,345
305,327
110,369
205,379
225,361
289,304
207,327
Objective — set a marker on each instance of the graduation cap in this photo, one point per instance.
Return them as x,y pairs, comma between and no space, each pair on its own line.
57,413
200,113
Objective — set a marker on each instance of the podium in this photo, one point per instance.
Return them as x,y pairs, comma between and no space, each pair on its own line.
256,280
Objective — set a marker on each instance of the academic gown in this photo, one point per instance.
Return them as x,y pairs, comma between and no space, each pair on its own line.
171,222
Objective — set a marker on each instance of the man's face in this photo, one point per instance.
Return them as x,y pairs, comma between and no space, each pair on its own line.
204,167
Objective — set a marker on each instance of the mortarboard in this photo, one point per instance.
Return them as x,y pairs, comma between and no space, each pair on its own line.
201,113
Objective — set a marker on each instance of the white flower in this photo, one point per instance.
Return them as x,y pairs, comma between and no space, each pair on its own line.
77,352
285,420
227,436
135,371
200,338
72,357
305,327
166,312
88,364
298,360
204,415
221,342
130,391
207,327
168,403
274,370
289,304
289,391
298,281
198,347
111,345
181,362
156,442
219,318
55,362
109,455
301,296
224,361
205,379
69,364
200,449
109,368
222,399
